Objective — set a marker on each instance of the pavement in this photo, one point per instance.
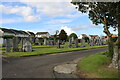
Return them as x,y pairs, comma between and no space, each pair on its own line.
41,66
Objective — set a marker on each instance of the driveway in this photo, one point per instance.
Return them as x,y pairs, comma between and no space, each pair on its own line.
40,66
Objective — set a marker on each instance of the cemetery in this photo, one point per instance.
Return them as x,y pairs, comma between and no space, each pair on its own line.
60,39
21,43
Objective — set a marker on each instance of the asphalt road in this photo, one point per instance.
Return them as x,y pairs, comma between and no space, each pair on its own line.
40,66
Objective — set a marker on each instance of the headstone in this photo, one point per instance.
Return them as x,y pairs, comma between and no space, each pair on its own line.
27,47
82,43
58,44
41,41
91,43
88,42
36,41
100,43
70,43
76,42
72,39
45,41
94,42
15,44
8,47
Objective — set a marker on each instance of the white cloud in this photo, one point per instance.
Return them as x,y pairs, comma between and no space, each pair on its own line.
80,28
58,21
6,21
24,11
53,8
67,30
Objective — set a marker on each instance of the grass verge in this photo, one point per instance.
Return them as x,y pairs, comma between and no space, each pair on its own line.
40,51
96,66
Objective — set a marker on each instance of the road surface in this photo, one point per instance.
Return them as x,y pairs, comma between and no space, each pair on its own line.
40,66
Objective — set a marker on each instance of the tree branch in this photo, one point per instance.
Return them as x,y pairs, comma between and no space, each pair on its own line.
106,28
97,16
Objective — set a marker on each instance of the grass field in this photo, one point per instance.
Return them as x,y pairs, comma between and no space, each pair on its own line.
96,66
39,51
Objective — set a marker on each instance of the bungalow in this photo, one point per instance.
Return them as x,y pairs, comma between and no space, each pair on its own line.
93,37
113,35
31,36
82,36
13,32
1,33
42,34
7,32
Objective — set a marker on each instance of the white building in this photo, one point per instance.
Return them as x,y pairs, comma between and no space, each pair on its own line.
82,36
42,34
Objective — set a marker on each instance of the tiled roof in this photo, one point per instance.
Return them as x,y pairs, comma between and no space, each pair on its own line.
39,33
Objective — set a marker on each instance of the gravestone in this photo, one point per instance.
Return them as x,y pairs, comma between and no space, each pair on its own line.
100,42
36,41
94,42
8,47
45,41
51,42
70,43
91,43
27,47
72,39
58,44
76,43
15,44
88,42
82,43
41,42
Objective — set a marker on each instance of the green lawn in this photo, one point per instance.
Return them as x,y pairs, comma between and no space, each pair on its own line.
96,66
39,51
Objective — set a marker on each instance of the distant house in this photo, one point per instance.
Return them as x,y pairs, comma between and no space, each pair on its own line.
7,32
104,38
93,37
16,33
113,35
42,34
82,36
31,36
1,33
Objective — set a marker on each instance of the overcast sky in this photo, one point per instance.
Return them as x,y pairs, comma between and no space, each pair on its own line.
49,15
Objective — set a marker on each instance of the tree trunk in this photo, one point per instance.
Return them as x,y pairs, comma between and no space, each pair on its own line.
115,59
110,48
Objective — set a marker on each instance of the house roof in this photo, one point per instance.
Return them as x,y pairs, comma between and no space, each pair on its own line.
6,30
84,35
93,35
24,32
14,31
39,33
31,33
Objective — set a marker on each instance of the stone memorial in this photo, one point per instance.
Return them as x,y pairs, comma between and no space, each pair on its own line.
82,43
88,42
36,41
100,42
15,44
45,41
91,43
8,47
27,47
58,44
76,43
70,43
